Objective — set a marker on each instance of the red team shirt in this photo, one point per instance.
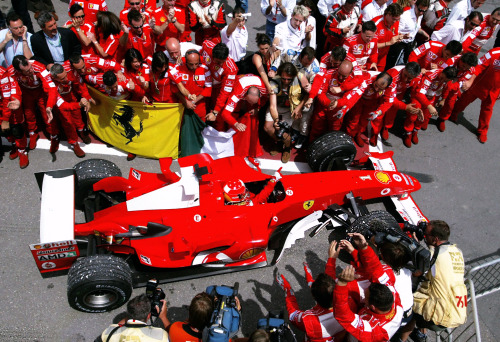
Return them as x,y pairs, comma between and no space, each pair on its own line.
478,36
224,77
430,52
90,8
171,31
86,28
384,34
361,52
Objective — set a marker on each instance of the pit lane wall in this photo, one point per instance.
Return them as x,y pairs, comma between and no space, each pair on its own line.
148,131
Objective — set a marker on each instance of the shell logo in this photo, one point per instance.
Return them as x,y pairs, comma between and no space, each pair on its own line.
382,177
249,253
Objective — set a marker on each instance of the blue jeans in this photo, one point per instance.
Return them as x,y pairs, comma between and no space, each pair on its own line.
243,4
270,26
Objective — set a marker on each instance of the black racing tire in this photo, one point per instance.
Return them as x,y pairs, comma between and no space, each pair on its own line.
89,172
322,153
99,283
381,218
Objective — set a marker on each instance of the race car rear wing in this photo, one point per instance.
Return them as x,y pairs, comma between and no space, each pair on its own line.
57,249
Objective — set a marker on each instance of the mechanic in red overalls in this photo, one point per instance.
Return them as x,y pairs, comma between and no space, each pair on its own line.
197,79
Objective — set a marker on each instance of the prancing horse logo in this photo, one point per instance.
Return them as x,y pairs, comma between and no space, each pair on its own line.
125,120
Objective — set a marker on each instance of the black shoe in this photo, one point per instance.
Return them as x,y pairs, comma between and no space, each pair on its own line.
418,336
300,141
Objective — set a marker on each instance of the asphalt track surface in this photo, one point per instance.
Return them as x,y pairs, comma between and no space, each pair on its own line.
459,179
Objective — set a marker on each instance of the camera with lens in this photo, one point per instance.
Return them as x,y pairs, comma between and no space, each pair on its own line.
284,127
418,229
226,318
155,294
278,330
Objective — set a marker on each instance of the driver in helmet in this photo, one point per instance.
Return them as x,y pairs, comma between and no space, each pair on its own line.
236,193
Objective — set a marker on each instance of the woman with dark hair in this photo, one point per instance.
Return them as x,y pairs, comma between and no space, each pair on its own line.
261,62
80,28
159,82
107,34
137,71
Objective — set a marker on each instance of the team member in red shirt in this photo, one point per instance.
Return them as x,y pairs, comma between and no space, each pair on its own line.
170,22
486,87
107,83
91,8
139,36
474,41
72,96
465,65
381,316
332,59
223,70
206,20
377,96
426,96
143,5
88,65
249,95
137,5
362,47
107,34
80,27
11,117
318,323
404,77
197,79
333,99
341,24
435,55
159,82
38,91
388,32
137,71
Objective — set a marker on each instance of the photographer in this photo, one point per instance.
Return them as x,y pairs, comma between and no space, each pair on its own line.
381,316
285,105
441,300
136,328
200,312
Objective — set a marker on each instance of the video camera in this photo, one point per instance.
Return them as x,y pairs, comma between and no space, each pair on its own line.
284,127
226,319
155,294
418,229
278,330
381,231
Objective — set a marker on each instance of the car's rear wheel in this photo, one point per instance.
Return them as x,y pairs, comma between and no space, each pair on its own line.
325,152
375,221
99,283
89,172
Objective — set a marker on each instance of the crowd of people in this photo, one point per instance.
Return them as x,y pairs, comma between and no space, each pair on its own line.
375,298
354,67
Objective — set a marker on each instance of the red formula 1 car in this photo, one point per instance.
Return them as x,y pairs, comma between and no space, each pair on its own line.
174,226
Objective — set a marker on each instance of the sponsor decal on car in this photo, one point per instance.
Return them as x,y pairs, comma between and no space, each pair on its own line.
308,204
382,177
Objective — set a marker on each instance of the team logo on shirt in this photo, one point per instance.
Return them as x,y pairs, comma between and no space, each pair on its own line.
93,7
185,77
432,55
357,49
381,32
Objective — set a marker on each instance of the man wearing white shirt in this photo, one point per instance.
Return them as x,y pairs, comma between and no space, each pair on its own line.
235,35
456,30
326,6
276,12
374,9
409,26
291,34
14,40
462,9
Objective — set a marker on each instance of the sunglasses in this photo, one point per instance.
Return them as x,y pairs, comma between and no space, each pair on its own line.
474,24
134,3
287,79
79,16
137,27
421,11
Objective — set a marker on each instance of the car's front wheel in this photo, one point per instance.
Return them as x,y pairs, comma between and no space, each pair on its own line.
99,283
324,152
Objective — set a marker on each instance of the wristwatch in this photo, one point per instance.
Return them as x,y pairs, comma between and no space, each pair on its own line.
174,20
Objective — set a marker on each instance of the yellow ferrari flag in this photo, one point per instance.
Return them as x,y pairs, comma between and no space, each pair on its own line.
149,131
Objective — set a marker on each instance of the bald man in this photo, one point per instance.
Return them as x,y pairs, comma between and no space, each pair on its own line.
333,98
196,78
372,99
174,50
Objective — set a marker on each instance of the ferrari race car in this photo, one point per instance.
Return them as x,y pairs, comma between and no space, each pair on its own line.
173,226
